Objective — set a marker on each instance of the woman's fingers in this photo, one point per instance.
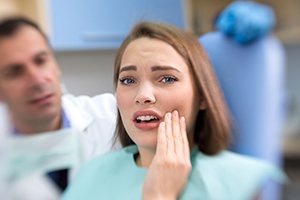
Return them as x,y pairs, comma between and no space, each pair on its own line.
161,139
169,170
177,136
169,135
185,142
172,137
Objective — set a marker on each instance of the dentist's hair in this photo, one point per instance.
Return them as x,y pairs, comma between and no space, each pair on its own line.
213,125
11,25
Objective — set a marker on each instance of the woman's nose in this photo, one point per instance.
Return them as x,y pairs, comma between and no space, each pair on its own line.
145,97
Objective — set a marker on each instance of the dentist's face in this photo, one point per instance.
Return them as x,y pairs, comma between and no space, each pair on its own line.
153,80
29,77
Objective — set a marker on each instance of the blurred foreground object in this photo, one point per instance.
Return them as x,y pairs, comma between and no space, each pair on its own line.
4,131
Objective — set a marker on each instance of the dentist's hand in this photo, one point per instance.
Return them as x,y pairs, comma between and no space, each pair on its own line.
170,168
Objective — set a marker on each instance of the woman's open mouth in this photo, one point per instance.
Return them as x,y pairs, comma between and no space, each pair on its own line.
146,120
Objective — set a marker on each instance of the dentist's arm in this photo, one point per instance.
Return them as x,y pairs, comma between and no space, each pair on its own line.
170,168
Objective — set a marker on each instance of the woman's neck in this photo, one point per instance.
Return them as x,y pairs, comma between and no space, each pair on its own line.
145,157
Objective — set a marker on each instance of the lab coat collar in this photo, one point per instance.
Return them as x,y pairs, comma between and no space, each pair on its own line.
79,118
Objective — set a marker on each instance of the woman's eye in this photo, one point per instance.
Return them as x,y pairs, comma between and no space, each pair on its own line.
126,81
168,79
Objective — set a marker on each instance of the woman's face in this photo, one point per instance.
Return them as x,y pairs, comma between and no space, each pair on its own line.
153,80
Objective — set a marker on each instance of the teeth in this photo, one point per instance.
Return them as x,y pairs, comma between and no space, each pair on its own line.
146,118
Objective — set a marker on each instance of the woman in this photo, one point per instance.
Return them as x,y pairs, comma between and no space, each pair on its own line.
169,105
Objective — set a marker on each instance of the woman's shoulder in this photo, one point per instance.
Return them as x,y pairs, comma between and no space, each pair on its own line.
239,164
233,175
109,158
95,178
248,163
235,160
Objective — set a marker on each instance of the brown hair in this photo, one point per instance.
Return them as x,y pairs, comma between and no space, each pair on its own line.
212,128
9,26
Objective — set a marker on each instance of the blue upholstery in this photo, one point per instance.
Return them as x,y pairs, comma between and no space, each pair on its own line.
252,79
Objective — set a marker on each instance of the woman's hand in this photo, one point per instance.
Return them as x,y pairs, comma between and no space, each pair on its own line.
170,168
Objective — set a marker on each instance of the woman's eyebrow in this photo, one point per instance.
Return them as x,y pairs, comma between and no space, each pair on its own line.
154,68
128,68
157,68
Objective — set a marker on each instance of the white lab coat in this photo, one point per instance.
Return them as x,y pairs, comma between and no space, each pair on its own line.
93,118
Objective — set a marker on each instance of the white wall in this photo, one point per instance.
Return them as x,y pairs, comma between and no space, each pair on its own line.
293,71
87,72
293,85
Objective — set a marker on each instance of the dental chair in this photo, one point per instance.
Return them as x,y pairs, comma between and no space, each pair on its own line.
252,79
